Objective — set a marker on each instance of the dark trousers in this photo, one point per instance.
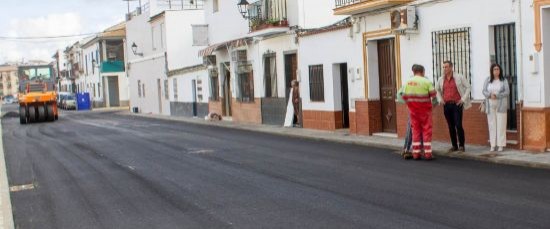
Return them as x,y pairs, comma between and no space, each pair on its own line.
453,114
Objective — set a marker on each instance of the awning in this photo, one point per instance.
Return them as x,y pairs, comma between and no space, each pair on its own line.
228,44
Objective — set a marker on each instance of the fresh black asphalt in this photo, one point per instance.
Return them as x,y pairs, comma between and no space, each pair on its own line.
112,170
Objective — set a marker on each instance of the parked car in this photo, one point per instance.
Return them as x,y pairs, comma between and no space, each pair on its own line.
69,102
9,99
60,97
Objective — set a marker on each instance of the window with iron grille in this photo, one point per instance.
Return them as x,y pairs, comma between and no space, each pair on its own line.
452,45
139,88
214,85
166,90
175,82
316,83
246,87
246,82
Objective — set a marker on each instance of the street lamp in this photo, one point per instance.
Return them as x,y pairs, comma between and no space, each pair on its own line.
243,8
134,50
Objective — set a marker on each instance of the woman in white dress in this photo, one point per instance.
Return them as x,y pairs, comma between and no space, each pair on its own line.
496,92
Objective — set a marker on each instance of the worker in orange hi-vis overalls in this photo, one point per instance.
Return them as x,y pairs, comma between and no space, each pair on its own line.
418,93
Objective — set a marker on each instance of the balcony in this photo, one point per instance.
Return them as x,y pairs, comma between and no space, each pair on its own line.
267,17
351,7
112,66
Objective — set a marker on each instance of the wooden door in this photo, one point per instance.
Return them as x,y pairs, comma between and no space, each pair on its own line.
386,70
291,67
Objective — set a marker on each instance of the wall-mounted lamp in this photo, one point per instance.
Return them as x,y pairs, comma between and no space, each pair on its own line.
134,50
243,8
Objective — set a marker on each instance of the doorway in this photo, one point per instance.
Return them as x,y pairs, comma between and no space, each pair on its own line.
194,90
113,91
505,56
387,76
291,67
344,94
159,89
226,106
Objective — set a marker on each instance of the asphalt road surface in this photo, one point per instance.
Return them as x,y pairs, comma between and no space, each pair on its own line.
110,170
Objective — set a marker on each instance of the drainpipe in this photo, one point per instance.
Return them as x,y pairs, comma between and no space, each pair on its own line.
520,23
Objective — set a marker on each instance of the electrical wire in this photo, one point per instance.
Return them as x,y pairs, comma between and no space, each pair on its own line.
42,38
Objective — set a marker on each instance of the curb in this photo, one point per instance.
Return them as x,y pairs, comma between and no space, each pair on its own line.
6,214
397,149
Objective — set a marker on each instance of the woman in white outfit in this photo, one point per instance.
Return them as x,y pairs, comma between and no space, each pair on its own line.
496,92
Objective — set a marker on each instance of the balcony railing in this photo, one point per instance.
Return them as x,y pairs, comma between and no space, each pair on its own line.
112,66
340,3
267,13
350,7
180,4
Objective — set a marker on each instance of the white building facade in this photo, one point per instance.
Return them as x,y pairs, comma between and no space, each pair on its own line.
493,31
103,69
254,55
163,63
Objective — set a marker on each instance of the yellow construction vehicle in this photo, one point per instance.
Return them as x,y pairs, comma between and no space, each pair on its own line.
37,96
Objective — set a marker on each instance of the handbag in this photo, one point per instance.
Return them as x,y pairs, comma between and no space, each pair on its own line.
482,107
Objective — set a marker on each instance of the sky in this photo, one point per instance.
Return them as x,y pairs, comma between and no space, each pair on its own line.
32,18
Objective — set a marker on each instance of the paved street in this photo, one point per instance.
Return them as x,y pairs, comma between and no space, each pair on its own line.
106,170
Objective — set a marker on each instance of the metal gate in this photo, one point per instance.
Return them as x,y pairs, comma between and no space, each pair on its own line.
505,56
113,91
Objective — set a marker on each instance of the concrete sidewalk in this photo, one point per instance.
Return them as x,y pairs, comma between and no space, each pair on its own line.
480,153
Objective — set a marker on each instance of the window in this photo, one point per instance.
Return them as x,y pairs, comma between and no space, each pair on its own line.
175,82
246,87
214,85
143,90
215,6
270,74
139,88
153,37
86,58
98,89
161,35
316,83
166,90
200,35
92,60
453,45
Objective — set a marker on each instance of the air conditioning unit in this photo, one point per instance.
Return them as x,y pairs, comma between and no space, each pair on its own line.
111,55
239,56
209,60
404,20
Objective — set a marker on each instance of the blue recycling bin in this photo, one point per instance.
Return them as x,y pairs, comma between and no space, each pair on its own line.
83,101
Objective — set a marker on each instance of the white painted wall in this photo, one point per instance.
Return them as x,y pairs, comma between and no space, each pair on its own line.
417,48
123,87
544,68
92,76
279,45
226,24
147,68
179,38
372,68
185,87
148,72
139,31
315,13
319,49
